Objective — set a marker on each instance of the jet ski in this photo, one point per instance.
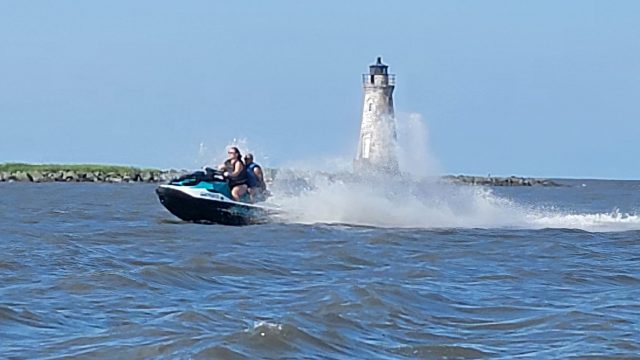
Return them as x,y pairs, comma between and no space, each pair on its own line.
204,196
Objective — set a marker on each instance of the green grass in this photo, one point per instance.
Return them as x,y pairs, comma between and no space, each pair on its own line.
13,167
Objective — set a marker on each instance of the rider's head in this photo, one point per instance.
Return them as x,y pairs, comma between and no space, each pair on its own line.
234,153
248,159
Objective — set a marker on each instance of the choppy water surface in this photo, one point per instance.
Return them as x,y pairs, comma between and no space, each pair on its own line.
103,271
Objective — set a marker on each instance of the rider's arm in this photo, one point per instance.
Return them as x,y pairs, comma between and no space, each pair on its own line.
258,171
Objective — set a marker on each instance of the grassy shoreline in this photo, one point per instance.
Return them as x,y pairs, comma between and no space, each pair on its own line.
39,173
24,167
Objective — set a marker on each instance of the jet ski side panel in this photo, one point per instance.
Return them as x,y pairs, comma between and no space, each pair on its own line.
209,207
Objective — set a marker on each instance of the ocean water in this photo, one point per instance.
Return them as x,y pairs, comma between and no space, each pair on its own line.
426,271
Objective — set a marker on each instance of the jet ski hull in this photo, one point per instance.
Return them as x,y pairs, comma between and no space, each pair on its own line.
200,205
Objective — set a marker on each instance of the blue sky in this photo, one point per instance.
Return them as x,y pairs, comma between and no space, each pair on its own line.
544,88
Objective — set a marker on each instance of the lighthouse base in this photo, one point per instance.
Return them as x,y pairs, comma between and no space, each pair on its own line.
379,168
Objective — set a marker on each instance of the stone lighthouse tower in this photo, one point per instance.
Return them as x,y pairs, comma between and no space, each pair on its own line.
377,145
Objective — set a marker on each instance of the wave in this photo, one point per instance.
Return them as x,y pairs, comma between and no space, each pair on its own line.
596,222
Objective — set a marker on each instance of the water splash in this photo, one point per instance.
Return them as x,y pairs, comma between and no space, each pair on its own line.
212,156
413,148
389,202
392,203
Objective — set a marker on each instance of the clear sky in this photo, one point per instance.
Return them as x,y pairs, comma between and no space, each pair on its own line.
537,88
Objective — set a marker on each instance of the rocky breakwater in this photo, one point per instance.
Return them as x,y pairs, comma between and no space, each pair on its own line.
107,174
499,181
134,176
304,177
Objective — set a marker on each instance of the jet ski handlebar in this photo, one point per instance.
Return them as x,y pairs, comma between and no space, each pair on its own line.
206,174
214,174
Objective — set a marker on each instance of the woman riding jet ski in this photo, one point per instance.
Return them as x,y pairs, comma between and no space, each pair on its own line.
214,196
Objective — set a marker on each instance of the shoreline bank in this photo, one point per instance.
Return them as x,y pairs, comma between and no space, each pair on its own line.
133,176
499,181
122,174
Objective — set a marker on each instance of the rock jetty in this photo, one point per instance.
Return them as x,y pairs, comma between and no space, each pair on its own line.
133,176
499,181
121,174
302,177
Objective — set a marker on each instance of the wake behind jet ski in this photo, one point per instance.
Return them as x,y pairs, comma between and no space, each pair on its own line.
205,196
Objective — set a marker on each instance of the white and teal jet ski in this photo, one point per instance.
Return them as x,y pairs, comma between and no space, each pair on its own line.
204,196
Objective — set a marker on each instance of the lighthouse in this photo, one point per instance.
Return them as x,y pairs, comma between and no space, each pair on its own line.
377,144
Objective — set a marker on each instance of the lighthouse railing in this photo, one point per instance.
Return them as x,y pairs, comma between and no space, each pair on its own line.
369,80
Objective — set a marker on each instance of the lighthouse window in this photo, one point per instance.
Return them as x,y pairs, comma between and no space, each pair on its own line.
372,79
366,147
370,106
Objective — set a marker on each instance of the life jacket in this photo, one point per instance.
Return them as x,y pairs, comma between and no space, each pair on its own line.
252,179
239,179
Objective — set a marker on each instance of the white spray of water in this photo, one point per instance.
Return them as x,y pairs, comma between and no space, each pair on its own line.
393,203
217,155
389,203
316,197
414,154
